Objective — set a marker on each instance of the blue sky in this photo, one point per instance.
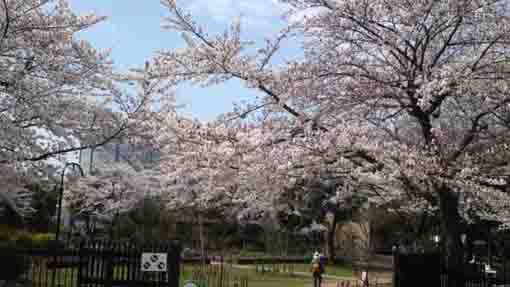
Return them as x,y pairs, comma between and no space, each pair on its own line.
133,33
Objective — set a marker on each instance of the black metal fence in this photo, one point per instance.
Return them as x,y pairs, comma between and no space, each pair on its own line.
219,274
416,270
91,264
424,270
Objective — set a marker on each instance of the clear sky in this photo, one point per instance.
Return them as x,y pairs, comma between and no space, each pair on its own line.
133,33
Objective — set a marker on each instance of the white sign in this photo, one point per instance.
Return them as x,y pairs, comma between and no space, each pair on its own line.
363,276
154,262
189,284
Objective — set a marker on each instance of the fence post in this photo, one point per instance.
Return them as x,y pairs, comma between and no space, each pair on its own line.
80,264
395,266
221,270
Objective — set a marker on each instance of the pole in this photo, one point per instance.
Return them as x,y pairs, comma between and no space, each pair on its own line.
61,195
59,213
396,267
489,243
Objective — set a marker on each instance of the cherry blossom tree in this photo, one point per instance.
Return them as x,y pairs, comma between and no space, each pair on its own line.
15,198
115,188
55,88
58,94
405,100
202,170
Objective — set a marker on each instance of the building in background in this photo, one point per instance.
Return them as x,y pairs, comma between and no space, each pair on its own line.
137,156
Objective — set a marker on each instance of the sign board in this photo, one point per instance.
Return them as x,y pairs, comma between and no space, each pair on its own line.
364,279
189,284
154,262
364,276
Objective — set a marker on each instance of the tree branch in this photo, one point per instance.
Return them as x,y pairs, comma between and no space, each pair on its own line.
470,136
7,20
447,43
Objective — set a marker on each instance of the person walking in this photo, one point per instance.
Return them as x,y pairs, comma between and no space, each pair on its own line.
317,269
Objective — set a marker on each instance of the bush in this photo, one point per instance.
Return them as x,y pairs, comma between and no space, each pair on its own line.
8,233
42,240
25,239
12,263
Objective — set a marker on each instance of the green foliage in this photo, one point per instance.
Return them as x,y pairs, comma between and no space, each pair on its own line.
44,202
11,214
42,239
4,233
23,238
147,221
37,215
11,234
14,264
251,253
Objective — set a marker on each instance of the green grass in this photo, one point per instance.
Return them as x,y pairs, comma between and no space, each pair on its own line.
271,280
302,275
66,277
259,279
40,275
334,270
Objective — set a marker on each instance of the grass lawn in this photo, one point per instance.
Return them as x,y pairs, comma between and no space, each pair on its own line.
334,270
271,280
302,275
40,275
66,277
301,278
267,279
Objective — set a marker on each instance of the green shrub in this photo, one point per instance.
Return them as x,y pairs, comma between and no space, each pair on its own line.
8,233
12,264
23,238
42,240
4,236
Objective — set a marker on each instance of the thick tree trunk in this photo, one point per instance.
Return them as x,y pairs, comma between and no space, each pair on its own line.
450,235
202,239
331,239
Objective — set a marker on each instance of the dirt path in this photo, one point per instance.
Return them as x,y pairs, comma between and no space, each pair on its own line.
305,274
330,280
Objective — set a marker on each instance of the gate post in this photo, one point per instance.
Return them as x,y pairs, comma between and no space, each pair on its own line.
173,264
108,260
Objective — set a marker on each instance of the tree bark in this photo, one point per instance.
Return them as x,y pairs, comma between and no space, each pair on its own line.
202,239
331,239
450,232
